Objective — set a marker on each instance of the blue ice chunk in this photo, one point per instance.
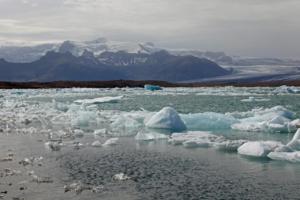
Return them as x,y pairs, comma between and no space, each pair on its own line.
208,121
152,87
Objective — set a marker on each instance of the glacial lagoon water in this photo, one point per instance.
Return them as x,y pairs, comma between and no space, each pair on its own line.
157,168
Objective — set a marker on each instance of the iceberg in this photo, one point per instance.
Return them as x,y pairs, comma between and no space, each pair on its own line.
141,136
125,126
100,132
294,144
286,90
285,156
276,119
97,143
194,139
110,142
99,100
168,119
229,145
152,87
208,121
258,148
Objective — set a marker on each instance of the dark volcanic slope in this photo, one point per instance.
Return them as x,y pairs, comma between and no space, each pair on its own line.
111,66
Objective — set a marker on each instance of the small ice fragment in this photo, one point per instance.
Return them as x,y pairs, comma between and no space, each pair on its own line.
167,118
99,100
38,179
111,142
258,148
77,187
141,136
229,145
97,144
254,99
152,87
97,189
11,172
6,159
121,177
193,136
78,133
53,146
100,132
196,143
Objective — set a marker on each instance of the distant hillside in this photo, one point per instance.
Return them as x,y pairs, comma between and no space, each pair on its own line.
64,66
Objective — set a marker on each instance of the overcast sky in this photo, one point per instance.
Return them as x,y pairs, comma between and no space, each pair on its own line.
266,28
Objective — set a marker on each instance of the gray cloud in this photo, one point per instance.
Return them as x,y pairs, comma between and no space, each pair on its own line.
240,27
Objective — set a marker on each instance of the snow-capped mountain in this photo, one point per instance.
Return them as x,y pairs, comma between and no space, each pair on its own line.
26,54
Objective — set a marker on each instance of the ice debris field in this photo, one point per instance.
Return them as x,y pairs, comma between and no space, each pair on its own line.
253,122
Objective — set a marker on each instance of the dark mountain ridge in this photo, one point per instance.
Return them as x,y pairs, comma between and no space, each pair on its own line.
64,66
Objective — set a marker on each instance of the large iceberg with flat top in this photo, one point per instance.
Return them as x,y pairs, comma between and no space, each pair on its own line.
167,119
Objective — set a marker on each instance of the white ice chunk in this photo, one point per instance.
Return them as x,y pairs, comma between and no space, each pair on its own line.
120,177
229,145
111,142
141,136
167,119
276,119
99,100
193,138
125,126
96,144
100,132
286,89
285,156
295,142
83,119
254,99
258,148
78,133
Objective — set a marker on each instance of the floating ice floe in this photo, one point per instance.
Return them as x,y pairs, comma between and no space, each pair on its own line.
285,156
100,132
167,119
276,119
53,145
142,136
99,100
125,125
120,177
286,90
229,145
152,87
110,142
208,121
258,148
194,138
78,133
254,99
97,143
